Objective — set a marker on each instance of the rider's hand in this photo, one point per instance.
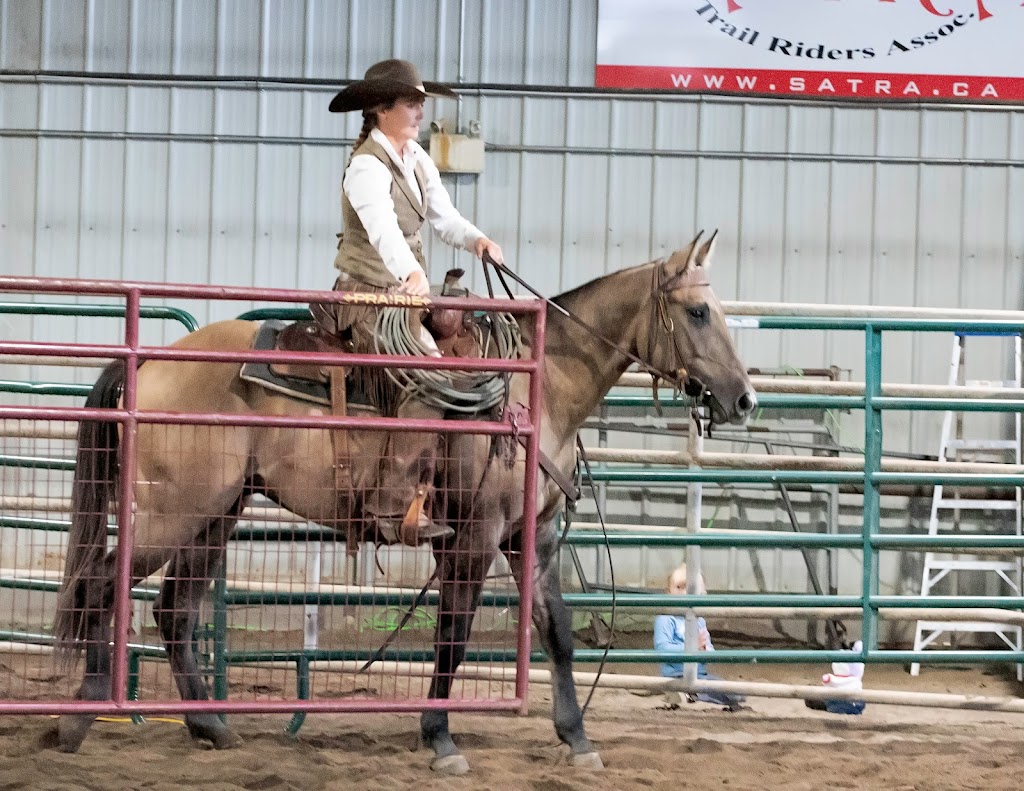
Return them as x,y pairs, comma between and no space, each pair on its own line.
416,284
483,244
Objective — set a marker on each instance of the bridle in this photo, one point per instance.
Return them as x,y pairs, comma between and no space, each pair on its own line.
661,320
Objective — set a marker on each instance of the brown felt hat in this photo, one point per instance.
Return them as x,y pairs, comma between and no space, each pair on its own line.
385,81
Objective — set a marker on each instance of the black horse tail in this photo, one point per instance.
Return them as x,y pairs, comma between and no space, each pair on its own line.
92,491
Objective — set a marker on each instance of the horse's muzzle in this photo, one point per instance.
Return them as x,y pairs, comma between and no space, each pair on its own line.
741,409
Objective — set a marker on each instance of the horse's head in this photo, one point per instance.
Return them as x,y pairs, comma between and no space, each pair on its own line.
689,332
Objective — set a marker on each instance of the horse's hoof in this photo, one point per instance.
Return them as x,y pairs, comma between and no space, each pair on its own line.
68,745
453,765
219,737
591,760
227,739
71,732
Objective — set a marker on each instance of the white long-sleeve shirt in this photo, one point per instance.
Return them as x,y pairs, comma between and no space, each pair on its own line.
367,184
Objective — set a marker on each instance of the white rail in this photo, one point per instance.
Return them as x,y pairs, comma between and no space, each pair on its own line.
652,684
658,684
741,308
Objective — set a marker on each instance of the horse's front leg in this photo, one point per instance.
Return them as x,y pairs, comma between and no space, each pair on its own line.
554,625
462,577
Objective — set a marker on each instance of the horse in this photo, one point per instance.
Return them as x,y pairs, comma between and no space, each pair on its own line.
192,482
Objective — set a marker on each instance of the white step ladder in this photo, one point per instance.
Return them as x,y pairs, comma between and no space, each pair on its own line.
938,565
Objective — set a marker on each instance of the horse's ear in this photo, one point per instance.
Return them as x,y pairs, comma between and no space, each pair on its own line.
703,256
683,260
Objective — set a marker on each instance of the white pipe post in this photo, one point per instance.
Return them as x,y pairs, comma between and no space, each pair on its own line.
311,612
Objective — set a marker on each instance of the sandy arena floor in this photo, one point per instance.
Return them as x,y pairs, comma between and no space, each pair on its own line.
776,744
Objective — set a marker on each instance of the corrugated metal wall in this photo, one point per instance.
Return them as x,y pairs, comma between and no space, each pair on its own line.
154,172
238,182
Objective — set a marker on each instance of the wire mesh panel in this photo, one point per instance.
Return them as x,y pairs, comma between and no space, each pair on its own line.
297,610
36,461
210,537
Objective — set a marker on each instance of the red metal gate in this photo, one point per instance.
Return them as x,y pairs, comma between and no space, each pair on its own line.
267,629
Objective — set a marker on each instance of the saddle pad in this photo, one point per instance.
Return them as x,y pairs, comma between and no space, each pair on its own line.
263,375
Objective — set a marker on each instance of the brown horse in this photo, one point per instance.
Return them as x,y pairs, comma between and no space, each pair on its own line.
193,480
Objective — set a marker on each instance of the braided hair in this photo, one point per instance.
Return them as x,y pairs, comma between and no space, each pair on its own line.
369,121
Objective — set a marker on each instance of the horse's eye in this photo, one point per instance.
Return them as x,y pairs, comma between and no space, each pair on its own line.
699,313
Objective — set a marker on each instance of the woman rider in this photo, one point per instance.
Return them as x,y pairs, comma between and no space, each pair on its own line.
389,188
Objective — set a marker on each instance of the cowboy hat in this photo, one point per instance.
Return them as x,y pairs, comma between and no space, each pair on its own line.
384,82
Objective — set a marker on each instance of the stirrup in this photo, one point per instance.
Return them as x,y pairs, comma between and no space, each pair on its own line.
416,527
393,532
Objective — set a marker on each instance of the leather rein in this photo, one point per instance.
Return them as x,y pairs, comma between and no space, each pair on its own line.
679,378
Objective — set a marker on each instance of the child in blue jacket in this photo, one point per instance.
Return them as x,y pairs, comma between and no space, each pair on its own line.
670,635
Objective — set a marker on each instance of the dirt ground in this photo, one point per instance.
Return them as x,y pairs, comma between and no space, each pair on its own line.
644,744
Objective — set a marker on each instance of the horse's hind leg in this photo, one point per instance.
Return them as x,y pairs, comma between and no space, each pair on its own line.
96,602
554,625
176,612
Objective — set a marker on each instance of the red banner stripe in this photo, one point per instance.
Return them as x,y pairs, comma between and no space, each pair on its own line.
818,84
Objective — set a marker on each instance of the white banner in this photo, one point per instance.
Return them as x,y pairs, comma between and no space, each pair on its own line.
962,50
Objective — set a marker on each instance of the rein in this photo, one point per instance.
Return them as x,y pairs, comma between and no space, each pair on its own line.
693,387
661,311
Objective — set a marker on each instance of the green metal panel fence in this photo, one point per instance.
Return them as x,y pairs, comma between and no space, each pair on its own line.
870,542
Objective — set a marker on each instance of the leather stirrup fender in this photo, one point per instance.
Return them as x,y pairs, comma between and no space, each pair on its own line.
342,462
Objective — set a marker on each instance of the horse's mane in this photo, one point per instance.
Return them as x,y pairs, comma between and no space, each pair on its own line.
568,296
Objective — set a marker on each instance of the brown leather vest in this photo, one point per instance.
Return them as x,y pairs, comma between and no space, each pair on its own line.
356,255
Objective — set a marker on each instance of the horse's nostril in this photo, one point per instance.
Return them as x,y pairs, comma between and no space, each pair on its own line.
745,403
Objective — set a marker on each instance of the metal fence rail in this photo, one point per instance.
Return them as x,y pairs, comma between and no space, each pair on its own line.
125,667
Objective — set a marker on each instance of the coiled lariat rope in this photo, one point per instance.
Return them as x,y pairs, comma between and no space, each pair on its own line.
453,391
